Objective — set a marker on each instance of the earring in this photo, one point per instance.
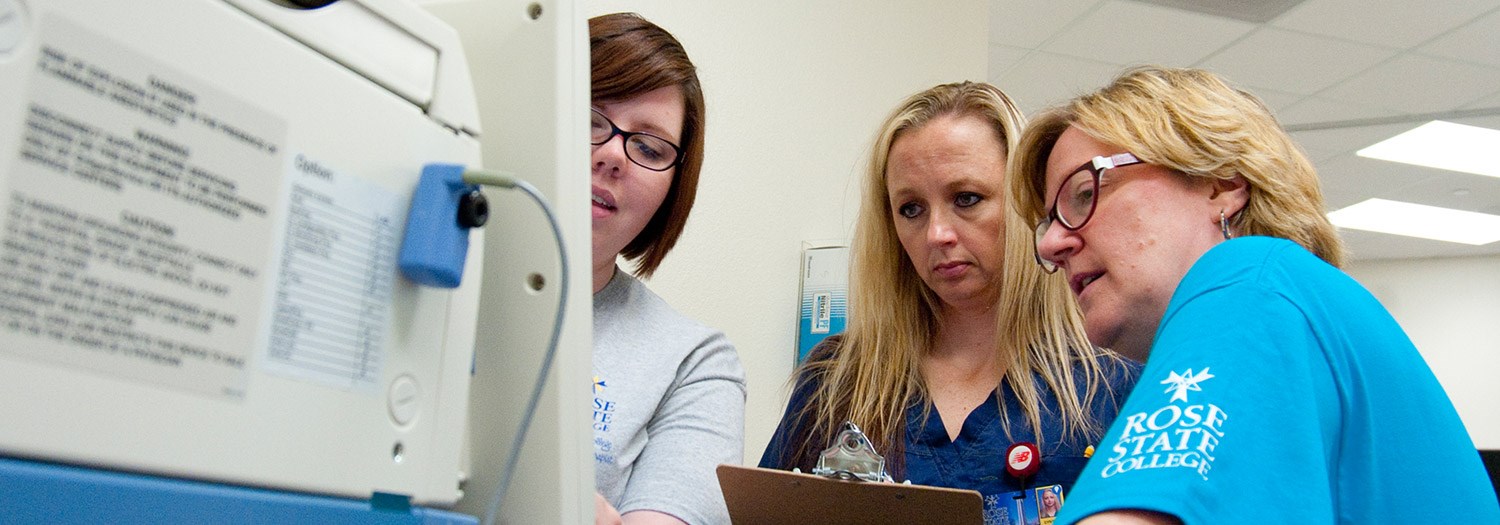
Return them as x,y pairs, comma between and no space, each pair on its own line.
1224,225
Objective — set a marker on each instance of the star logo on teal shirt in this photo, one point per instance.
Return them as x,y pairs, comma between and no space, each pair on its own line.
1180,384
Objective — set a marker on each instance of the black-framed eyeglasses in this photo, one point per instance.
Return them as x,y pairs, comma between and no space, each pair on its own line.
1076,199
646,150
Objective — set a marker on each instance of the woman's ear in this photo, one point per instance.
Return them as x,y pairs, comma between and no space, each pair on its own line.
1230,195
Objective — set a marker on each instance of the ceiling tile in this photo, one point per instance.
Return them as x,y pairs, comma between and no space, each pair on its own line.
1329,144
1464,191
1490,121
1388,23
1492,101
1353,175
1475,42
1029,23
1256,11
1334,199
1312,111
1419,84
1177,38
1319,156
1350,139
1293,62
1002,58
1043,79
1275,100
1367,246
1454,190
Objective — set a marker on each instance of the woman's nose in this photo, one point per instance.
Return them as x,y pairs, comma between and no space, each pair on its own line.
1057,243
940,230
609,156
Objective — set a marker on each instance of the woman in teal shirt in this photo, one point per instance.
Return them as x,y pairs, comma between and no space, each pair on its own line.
1191,229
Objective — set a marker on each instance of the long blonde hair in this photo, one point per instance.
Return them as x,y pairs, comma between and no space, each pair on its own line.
875,373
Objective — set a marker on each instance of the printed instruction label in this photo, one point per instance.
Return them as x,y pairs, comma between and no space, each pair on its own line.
136,225
337,268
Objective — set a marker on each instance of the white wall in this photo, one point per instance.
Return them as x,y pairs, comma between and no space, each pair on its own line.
1451,310
795,91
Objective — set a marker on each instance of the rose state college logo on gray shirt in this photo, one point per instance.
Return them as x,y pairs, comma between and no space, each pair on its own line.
604,413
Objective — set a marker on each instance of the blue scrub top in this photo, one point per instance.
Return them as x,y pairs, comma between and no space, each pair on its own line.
976,460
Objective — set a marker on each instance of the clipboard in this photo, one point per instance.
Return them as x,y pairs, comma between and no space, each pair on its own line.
775,497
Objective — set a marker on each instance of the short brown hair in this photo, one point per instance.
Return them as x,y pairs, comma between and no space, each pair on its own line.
629,56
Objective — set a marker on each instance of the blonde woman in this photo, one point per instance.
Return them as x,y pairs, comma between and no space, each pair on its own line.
957,346
1192,231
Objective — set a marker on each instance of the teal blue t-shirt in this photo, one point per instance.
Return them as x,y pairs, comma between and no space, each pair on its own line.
1278,390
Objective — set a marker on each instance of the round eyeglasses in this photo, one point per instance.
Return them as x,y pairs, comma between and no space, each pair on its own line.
1076,199
644,149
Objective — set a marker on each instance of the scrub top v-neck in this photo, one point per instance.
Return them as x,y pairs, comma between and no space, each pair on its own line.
976,460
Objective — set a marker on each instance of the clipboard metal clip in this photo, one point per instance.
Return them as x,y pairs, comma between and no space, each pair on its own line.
851,458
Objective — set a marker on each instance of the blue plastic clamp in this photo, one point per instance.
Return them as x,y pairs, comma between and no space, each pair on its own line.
435,245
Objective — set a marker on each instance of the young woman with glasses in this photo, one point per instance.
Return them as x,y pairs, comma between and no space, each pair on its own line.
1191,230
957,348
669,393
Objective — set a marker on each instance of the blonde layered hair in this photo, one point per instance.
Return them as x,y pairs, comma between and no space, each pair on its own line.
875,373
1193,122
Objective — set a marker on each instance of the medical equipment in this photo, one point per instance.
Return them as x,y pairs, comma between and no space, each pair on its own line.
202,203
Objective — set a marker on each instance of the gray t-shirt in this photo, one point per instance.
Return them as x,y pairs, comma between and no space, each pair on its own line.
669,405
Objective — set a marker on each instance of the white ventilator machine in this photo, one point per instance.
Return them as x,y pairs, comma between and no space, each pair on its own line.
201,205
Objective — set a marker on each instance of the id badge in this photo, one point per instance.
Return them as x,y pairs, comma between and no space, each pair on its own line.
1034,506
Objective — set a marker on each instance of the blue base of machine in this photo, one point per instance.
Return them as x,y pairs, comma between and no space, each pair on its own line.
35,492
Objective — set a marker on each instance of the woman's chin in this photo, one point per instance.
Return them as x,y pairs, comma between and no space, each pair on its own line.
1101,333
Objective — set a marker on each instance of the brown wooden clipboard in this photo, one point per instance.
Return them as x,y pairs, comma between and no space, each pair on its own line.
758,496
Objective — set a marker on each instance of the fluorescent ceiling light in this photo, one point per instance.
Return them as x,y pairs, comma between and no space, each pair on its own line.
1443,145
1416,220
